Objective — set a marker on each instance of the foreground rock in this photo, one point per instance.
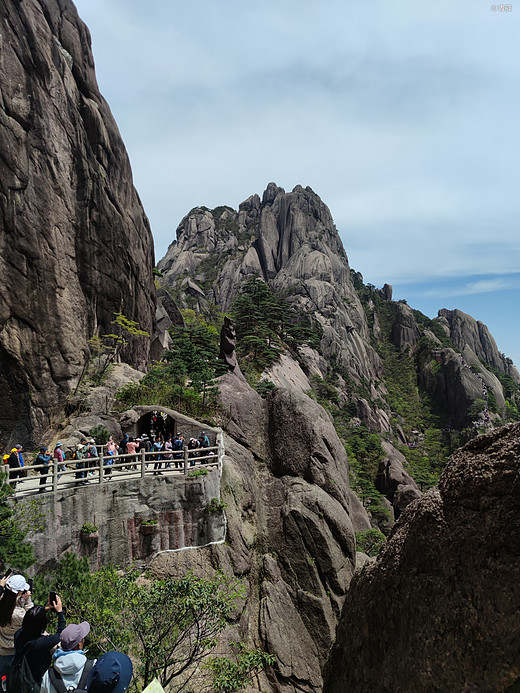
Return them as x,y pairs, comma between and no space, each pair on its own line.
75,242
438,611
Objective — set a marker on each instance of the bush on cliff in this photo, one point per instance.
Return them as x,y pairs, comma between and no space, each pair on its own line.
184,379
171,628
14,525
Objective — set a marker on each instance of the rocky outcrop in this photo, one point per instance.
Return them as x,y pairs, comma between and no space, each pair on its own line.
405,332
290,241
394,482
438,611
466,331
458,383
75,243
291,521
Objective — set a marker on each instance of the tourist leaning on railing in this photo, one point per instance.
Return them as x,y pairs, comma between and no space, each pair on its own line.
43,459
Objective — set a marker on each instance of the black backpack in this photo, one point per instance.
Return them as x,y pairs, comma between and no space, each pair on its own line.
19,676
59,685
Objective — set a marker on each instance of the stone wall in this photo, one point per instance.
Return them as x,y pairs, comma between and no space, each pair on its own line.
118,509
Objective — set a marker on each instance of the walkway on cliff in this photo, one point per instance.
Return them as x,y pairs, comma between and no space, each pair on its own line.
107,469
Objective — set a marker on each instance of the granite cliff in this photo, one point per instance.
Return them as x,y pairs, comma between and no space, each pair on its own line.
75,242
291,519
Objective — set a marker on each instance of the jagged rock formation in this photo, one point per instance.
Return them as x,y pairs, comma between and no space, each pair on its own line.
465,331
394,482
291,521
75,242
456,381
405,332
438,611
289,240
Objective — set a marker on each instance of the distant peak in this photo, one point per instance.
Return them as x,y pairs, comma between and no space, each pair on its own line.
271,192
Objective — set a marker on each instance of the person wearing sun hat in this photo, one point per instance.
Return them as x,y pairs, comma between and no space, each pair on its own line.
69,662
112,673
15,601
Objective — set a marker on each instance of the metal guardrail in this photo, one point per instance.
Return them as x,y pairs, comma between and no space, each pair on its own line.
100,469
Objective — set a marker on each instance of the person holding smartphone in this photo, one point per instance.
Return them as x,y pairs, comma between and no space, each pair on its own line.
32,641
15,601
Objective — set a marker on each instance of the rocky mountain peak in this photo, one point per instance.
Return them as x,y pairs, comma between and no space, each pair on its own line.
290,241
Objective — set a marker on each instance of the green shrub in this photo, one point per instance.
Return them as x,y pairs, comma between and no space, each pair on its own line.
88,528
100,434
370,541
196,473
215,506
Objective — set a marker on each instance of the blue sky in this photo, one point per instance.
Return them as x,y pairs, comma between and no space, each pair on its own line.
403,116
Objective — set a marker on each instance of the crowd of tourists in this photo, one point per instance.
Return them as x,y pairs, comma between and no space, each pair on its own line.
50,662
167,452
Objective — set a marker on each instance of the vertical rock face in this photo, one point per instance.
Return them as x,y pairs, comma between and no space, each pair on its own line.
75,243
290,241
291,518
438,610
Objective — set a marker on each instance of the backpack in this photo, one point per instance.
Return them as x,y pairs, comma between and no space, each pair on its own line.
59,685
19,676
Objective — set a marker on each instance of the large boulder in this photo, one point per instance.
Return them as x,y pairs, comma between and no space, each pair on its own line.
438,611
75,243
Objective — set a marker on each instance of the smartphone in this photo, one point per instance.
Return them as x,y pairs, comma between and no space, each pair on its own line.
8,572
52,598
30,582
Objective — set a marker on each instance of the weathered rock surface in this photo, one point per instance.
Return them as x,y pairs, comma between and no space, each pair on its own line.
118,509
289,240
466,331
457,381
75,244
405,332
394,482
291,520
438,611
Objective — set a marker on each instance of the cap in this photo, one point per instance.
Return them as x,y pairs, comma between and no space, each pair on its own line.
17,583
79,446
43,448
59,444
72,635
18,447
111,673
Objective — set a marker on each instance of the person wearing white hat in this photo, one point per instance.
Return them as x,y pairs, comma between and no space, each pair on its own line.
15,601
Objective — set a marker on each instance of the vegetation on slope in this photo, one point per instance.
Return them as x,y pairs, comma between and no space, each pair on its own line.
171,628
183,380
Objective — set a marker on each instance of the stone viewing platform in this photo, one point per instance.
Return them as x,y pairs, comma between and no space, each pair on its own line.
129,510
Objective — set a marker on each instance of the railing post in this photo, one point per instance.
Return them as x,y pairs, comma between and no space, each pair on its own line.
185,450
55,475
101,467
143,463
